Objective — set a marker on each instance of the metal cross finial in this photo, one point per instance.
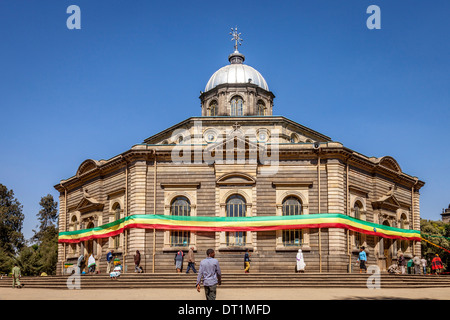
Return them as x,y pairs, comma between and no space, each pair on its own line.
236,38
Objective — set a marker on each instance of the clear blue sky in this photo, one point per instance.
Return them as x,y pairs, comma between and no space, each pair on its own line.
137,67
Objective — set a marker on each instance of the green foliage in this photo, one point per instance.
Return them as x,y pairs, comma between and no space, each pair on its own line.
11,222
6,262
47,217
45,256
28,261
438,233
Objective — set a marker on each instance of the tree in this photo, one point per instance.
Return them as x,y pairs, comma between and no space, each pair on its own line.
438,233
28,261
46,238
47,217
11,222
6,262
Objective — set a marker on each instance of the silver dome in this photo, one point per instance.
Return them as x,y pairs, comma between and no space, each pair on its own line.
236,73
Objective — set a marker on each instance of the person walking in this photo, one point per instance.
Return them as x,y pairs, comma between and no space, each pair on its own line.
410,265
362,260
402,262
416,261
137,262
423,264
91,263
247,261
211,275
179,256
300,262
436,264
191,260
16,276
80,263
109,260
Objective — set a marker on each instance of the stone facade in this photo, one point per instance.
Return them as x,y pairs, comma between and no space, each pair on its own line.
446,215
263,159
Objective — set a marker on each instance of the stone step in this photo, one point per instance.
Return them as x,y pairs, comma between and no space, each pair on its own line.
236,280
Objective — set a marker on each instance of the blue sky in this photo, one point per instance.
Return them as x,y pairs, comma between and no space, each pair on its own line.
137,67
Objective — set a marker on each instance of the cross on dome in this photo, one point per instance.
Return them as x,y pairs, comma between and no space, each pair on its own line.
236,37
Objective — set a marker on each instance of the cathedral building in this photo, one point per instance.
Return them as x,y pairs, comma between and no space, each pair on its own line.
235,178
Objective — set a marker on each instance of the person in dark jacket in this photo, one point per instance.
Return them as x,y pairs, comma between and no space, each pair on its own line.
247,261
179,261
402,263
191,260
137,262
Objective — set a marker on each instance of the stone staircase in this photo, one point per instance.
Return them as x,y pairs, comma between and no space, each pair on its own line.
236,280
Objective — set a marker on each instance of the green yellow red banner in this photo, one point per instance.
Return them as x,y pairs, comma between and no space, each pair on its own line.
257,223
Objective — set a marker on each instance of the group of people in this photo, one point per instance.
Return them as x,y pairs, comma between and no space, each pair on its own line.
81,264
418,265
113,265
413,265
190,257
179,258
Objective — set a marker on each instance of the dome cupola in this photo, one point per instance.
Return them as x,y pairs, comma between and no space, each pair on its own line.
236,89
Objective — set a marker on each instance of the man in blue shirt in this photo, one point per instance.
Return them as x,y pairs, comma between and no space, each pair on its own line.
211,274
362,260
109,259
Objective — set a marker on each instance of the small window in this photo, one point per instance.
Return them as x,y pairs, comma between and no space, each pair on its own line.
212,110
180,207
236,207
237,107
294,138
357,210
404,244
116,217
261,108
292,237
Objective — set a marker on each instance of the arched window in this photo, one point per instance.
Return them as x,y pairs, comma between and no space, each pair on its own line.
292,237
117,212
357,209
358,240
237,106
74,223
180,207
236,207
116,238
261,108
212,110
294,138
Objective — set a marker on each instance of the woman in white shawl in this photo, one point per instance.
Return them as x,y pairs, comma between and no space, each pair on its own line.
91,263
300,262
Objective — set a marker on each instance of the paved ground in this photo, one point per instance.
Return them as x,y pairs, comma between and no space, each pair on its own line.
226,294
